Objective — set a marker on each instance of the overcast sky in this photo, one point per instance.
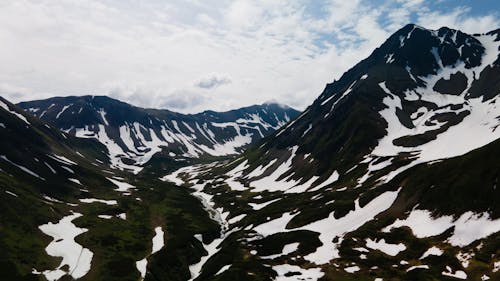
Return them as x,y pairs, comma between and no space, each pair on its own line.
194,55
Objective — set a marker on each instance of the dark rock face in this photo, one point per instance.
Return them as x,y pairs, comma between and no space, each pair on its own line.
453,86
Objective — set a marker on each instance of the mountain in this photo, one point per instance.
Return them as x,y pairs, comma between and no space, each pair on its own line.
66,215
133,135
391,174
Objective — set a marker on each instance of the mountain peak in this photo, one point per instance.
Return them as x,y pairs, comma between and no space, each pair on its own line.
413,53
414,71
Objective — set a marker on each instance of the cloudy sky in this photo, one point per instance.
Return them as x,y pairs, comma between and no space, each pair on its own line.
194,55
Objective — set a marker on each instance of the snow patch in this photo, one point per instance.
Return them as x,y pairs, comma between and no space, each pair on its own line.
423,266
390,249
77,258
459,274
271,182
158,240
330,228
302,274
352,269
106,217
432,251
333,178
93,200
469,227
122,186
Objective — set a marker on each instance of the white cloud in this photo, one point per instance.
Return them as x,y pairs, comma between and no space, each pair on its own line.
411,3
212,81
156,53
458,19
11,92
182,99
243,14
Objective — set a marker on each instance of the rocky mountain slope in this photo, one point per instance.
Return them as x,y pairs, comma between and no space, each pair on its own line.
133,135
391,174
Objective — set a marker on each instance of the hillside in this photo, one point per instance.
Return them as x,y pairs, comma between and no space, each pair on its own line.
66,215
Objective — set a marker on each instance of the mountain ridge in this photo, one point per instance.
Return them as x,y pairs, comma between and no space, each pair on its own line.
134,134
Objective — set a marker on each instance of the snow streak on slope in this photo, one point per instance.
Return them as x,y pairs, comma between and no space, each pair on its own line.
20,116
22,168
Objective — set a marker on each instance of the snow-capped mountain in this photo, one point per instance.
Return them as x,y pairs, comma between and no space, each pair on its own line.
133,135
391,173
